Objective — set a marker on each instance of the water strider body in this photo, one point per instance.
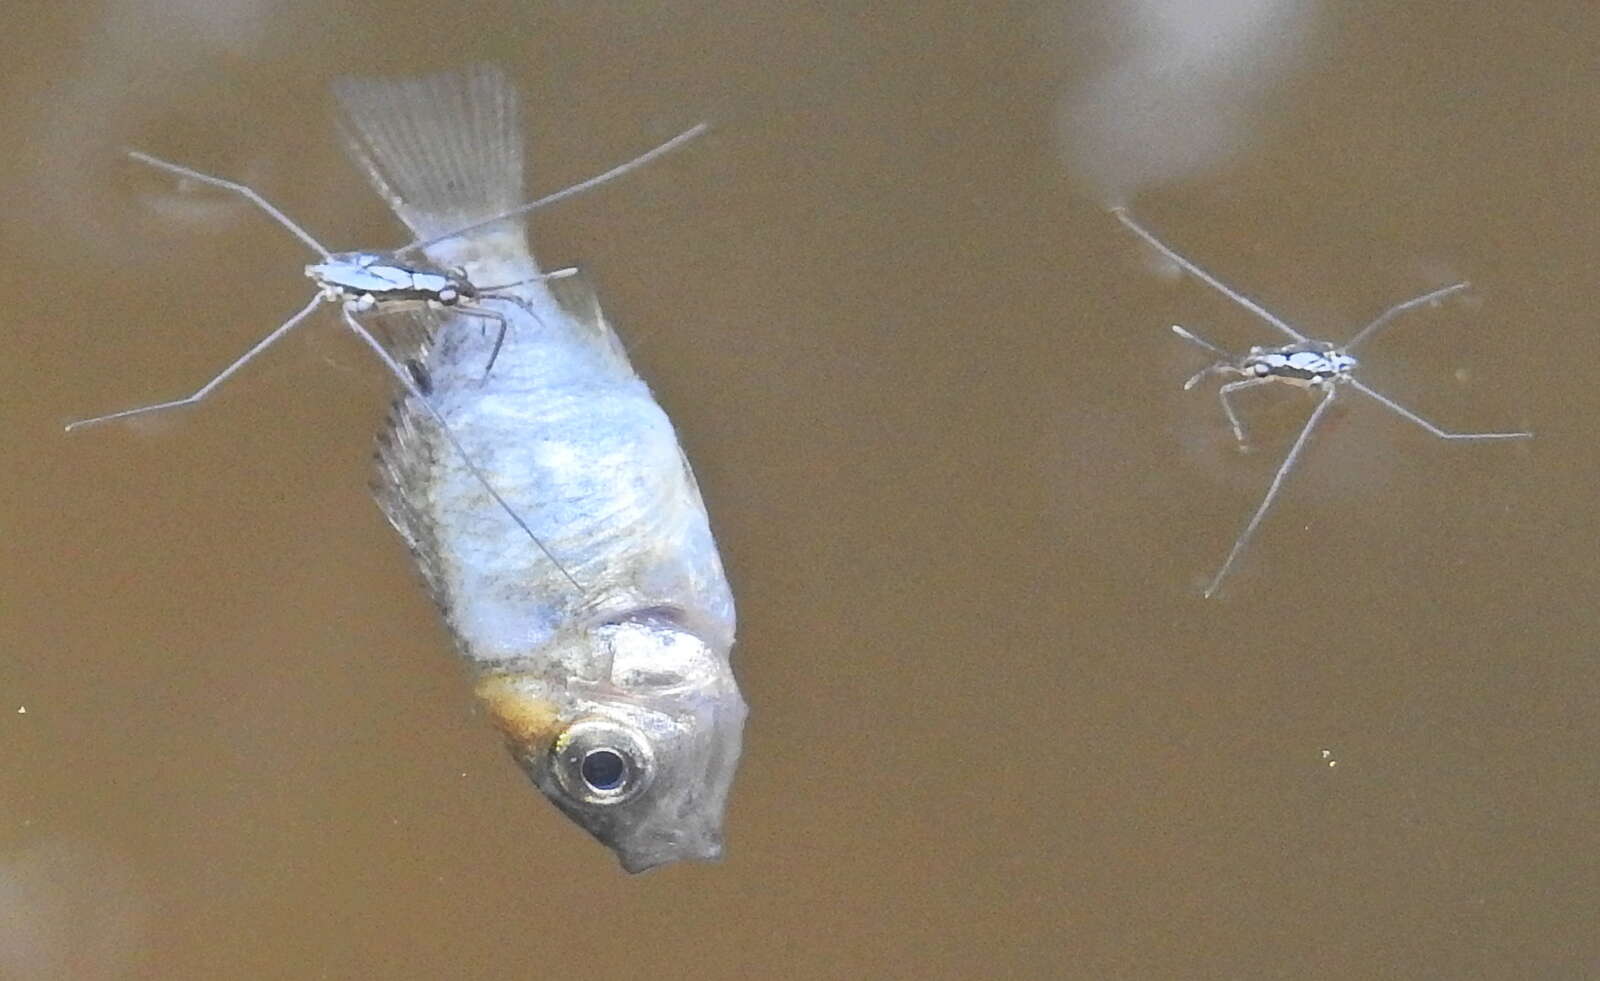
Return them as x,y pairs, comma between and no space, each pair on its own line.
1304,364
616,697
1314,365
1307,363
365,280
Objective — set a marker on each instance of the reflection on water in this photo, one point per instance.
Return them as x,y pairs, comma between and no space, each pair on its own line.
137,64
1178,89
69,909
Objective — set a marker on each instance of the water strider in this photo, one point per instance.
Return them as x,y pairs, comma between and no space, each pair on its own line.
1304,363
608,670
364,282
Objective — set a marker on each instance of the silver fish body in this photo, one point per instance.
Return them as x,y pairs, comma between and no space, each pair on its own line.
616,696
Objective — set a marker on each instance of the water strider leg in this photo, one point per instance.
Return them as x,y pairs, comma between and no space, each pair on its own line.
519,302
565,192
1406,413
491,293
1205,277
1208,370
237,188
1196,339
1227,405
1386,316
499,335
1225,365
209,386
1272,492
410,385
555,274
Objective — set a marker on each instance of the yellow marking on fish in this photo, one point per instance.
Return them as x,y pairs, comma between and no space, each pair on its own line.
526,720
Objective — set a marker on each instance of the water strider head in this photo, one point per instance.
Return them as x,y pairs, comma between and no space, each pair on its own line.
641,750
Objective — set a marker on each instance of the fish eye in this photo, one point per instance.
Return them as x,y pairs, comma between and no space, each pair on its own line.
604,769
602,762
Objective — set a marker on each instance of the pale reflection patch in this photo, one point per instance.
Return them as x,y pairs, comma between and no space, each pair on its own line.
1180,88
69,909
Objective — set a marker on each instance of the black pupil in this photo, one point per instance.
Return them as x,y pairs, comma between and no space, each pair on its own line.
603,769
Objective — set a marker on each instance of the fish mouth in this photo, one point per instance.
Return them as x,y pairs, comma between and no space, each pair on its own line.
702,846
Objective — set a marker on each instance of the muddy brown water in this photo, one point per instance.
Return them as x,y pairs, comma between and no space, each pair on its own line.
930,393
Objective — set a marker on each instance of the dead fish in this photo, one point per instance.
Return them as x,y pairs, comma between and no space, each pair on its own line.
615,695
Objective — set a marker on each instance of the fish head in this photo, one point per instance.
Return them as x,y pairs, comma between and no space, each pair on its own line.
641,758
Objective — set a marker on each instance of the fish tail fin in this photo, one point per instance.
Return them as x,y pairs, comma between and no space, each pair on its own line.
444,150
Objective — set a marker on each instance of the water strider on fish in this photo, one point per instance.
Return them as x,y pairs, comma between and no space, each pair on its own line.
548,504
617,698
378,282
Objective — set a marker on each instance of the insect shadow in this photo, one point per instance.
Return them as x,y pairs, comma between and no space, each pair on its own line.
364,282
1305,363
